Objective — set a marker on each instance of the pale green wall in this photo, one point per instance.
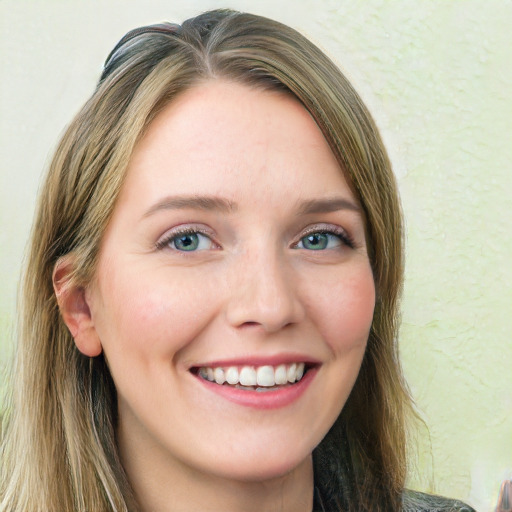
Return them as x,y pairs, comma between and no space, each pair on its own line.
438,77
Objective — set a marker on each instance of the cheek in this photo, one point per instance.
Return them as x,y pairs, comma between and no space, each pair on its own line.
344,312
143,315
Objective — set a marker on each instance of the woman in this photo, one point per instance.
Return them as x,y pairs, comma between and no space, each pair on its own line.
210,301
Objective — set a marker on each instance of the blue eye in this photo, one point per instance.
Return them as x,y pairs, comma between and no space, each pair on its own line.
319,241
189,242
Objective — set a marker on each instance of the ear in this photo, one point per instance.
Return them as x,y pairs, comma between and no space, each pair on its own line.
74,308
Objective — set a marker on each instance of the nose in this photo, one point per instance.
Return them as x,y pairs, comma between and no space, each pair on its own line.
263,293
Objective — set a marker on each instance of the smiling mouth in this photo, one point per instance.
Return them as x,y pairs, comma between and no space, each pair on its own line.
254,378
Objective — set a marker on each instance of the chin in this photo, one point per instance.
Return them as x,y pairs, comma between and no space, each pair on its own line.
265,465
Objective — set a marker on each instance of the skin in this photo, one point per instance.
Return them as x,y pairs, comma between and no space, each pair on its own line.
251,289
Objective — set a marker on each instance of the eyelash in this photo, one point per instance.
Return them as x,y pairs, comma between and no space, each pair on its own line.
180,232
331,230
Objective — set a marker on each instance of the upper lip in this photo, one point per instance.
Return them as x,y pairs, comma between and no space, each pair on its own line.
258,360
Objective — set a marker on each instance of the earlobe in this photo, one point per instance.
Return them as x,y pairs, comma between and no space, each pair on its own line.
74,308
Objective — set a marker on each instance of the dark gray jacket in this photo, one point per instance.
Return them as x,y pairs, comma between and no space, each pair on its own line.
412,502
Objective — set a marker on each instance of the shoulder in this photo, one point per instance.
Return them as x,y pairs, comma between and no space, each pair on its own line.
414,501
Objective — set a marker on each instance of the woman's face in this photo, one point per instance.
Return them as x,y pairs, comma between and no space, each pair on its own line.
234,295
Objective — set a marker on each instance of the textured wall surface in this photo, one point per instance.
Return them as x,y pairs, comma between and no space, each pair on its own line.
438,77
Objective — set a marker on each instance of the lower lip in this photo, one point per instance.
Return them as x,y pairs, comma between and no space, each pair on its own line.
263,399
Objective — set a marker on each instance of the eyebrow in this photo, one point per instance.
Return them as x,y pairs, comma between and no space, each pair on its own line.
207,203
332,204
213,203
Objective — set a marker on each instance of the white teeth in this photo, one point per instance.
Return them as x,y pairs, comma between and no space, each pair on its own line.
291,373
232,375
280,375
219,376
248,377
265,376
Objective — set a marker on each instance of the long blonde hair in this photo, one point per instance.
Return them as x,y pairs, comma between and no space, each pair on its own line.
59,449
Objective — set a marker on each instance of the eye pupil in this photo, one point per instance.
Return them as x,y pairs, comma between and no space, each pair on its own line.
187,242
315,241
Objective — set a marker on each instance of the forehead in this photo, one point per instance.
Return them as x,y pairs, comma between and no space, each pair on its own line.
220,136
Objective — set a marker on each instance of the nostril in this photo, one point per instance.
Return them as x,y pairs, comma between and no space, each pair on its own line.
250,324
